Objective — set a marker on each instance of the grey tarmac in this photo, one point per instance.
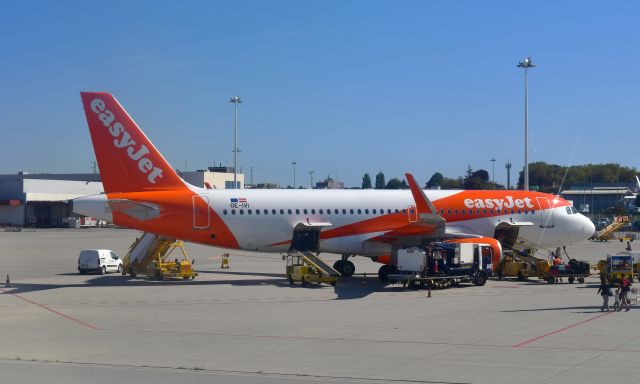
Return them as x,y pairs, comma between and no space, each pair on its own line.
247,325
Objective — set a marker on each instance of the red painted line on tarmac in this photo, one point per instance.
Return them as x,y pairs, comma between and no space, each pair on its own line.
522,344
87,325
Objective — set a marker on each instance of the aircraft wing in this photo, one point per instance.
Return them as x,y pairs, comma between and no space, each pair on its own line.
428,224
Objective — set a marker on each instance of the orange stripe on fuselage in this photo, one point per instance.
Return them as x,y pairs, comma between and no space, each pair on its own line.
485,203
176,218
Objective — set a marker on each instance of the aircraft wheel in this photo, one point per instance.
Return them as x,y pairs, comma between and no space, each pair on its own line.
348,269
338,266
383,273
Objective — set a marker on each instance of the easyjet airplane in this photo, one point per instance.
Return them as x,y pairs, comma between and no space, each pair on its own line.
143,192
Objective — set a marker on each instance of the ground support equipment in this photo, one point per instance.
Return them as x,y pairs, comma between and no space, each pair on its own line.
154,256
305,267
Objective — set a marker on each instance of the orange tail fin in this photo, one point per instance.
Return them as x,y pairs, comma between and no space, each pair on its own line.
127,160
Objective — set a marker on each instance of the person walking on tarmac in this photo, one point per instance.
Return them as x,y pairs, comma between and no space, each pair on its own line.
605,292
625,287
616,297
628,248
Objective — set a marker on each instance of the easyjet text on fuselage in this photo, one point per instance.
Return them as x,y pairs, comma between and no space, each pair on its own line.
508,202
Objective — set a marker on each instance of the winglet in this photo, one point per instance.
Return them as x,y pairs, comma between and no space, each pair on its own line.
422,201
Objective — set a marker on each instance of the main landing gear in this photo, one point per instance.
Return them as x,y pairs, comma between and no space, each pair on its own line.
344,266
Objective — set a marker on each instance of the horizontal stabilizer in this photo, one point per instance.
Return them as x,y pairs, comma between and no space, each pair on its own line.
137,210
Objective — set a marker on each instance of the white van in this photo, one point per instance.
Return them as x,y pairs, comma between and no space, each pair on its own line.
99,260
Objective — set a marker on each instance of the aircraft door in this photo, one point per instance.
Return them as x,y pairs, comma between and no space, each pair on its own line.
507,235
306,239
546,213
412,212
201,215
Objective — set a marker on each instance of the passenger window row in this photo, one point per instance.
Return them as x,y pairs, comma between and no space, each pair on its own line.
485,211
290,211
312,211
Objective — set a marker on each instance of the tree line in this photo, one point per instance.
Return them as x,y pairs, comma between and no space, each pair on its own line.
550,177
542,176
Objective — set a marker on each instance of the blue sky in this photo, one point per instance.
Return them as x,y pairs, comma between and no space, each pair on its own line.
341,87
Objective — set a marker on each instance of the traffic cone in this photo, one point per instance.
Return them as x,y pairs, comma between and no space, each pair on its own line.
364,279
7,283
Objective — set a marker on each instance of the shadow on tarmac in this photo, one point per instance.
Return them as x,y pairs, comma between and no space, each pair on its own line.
345,289
585,309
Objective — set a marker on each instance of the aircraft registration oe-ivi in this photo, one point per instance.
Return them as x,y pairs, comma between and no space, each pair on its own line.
143,192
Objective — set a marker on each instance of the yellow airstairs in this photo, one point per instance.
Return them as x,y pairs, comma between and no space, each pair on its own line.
157,256
305,267
607,233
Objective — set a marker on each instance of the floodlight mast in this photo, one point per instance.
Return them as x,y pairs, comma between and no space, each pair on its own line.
235,100
526,64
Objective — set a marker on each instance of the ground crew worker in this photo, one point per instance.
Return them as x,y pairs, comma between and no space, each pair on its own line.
605,292
625,286
557,261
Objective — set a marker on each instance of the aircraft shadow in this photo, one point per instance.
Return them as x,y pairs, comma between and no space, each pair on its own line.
351,288
580,309
119,281
276,275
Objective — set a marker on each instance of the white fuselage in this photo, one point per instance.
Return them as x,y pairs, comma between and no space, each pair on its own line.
263,220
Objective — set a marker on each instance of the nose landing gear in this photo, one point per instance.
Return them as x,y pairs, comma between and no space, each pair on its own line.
344,266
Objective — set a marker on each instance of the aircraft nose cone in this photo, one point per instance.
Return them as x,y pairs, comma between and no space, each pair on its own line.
589,228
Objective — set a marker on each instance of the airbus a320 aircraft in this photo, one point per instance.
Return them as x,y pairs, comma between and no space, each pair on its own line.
143,192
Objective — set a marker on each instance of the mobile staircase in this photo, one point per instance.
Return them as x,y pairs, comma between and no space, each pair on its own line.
153,255
305,267
607,232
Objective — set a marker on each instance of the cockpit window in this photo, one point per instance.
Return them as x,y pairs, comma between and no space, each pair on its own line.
569,211
574,210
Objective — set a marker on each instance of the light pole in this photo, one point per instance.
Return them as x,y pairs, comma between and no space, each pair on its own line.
508,166
526,64
493,169
311,176
235,100
294,173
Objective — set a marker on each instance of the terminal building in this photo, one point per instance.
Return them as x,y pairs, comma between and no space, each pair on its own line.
214,178
42,200
601,199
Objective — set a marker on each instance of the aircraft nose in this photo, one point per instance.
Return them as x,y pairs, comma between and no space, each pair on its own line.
588,228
